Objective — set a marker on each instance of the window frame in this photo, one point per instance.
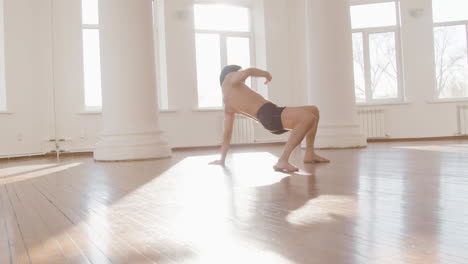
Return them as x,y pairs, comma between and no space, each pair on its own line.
436,86
396,29
83,28
159,37
223,35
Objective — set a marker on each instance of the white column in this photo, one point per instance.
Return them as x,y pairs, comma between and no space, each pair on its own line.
130,126
330,82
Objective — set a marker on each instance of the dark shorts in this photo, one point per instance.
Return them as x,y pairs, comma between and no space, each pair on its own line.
269,116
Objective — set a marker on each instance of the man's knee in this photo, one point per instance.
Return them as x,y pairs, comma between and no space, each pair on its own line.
312,109
309,119
315,111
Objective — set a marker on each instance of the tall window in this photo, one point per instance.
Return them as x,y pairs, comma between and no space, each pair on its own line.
91,55
2,62
450,44
223,37
376,52
160,54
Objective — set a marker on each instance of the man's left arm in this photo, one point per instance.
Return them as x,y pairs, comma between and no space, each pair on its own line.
227,135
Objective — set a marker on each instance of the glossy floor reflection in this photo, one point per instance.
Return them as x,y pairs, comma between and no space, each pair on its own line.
389,203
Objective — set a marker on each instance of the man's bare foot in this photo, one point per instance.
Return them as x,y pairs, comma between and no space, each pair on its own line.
284,166
217,162
314,158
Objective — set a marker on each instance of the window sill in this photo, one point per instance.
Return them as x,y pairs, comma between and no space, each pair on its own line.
2,112
99,112
90,112
447,101
214,109
169,110
383,103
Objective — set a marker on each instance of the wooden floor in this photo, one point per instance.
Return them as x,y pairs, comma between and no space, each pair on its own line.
389,203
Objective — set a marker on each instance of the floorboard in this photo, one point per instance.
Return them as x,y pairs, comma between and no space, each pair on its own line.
393,202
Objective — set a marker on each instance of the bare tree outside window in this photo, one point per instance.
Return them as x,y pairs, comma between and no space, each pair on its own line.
359,68
384,82
375,52
450,43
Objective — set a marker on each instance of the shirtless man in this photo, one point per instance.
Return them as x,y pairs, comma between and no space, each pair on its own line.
240,99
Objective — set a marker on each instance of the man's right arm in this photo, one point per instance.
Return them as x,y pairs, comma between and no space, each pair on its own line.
241,76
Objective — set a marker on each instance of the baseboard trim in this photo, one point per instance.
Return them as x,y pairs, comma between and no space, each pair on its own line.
376,140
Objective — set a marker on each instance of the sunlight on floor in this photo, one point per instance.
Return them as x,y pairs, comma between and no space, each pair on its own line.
22,173
6,172
205,199
324,208
253,169
458,148
368,206
238,252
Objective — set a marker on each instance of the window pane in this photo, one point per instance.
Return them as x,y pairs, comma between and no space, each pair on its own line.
451,61
92,68
373,15
383,66
208,70
90,11
449,10
359,68
238,52
221,17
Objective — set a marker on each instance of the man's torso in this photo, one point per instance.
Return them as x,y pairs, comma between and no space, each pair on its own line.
239,98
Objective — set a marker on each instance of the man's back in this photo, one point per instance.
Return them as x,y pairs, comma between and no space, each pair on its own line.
239,98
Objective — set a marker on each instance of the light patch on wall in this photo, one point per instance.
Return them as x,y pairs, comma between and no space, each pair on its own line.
324,208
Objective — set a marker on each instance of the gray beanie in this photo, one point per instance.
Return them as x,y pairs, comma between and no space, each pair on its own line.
226,70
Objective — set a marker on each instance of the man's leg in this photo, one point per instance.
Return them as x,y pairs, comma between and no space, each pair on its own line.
300,121
310,156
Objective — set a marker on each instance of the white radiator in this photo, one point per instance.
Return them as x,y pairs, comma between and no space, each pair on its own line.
372,122
243,132
462,112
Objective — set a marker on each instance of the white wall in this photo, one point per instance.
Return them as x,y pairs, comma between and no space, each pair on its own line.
43,61
2,61
36,66
28,122
419,117
187,126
